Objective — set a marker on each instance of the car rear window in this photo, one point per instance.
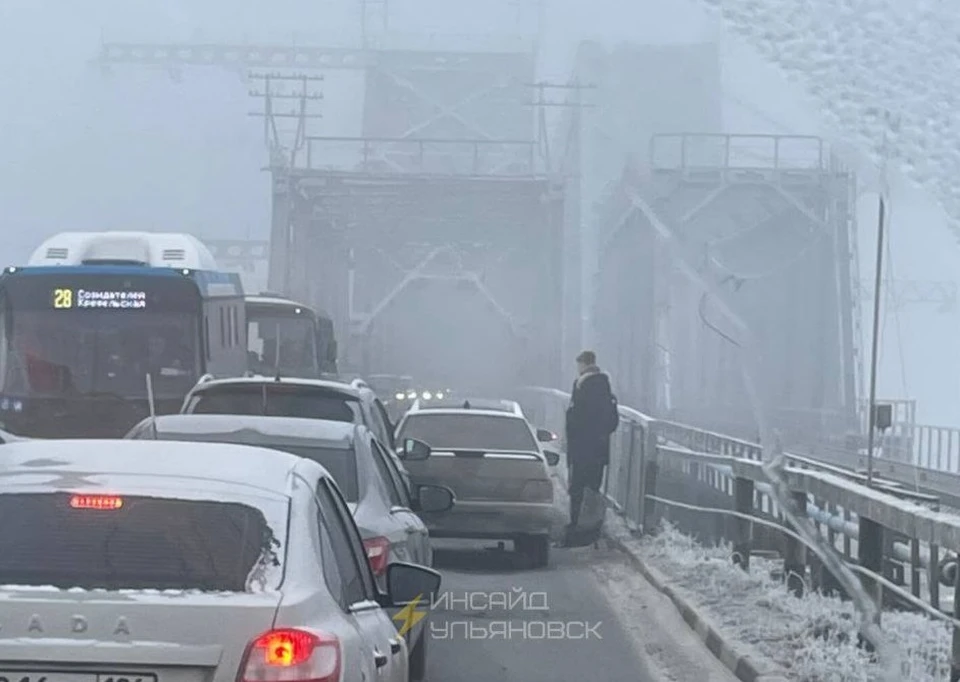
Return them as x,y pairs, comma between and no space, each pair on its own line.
340,462
157,543
469,432
283,401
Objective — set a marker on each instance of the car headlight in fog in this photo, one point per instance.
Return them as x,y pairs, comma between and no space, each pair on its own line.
412,395
439,395
426,395
400,396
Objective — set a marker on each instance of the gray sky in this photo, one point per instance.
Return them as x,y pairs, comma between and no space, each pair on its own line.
138,150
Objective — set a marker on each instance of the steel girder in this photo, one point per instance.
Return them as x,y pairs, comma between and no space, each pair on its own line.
482,97
777,237
380,251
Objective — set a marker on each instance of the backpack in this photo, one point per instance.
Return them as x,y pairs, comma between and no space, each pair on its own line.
611,417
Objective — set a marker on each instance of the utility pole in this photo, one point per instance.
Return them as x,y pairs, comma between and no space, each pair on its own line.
889,121
878,280
271,114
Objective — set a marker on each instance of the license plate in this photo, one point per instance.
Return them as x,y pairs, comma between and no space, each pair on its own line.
73,676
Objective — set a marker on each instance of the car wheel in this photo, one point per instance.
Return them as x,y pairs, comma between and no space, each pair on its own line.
418,658
535,548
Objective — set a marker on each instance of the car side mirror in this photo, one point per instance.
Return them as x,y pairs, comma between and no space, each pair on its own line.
545,436
407,583
414,450
433,499
553,458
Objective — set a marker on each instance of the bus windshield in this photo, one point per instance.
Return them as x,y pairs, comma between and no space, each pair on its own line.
94,334
297,333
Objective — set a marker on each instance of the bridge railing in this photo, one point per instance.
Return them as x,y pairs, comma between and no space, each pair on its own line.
903,547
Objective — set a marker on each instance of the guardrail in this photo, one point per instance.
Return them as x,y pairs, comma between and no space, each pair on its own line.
714,487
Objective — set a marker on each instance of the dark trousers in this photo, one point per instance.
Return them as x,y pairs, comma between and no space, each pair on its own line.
586,473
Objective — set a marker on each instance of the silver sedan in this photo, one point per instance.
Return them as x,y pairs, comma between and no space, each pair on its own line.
138,561
375,493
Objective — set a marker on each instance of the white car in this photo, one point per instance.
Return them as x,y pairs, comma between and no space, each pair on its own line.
135,560
365,473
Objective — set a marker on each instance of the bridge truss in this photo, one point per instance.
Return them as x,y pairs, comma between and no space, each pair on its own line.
770,221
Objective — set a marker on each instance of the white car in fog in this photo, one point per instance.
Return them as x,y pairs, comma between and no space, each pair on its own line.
135,560
385,514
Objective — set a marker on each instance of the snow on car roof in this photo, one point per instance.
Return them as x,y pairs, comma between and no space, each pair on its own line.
235,465
437,411
472,404
258,428
333,386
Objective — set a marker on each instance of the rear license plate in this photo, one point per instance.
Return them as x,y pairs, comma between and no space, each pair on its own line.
73,676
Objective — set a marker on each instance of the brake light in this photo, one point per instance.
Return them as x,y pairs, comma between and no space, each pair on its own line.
378,554
291,655
96,502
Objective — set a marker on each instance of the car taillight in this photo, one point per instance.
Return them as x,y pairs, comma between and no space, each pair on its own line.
292,655
378,553
538,491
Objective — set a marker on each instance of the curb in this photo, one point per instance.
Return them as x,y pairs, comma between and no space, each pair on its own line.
744,667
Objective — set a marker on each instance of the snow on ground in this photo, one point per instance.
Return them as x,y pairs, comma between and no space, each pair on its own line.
670,649
859,59
813,638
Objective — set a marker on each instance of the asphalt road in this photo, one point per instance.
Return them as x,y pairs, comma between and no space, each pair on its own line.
511,641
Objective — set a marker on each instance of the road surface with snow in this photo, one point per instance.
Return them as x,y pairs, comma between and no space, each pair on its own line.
615,626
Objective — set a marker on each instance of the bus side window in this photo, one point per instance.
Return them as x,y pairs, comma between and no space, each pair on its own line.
223,330
236,326
206,335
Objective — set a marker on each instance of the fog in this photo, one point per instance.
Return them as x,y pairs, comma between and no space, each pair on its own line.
139,149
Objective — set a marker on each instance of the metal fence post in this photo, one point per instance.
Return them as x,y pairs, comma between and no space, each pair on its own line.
795,553
955,648
648,506
634,476
743,489
870,555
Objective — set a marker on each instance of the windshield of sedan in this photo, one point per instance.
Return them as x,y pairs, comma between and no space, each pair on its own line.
455,431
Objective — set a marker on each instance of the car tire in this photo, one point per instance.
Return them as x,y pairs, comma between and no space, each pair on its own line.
535,548
418,658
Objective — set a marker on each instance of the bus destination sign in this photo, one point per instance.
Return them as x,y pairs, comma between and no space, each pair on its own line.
70,299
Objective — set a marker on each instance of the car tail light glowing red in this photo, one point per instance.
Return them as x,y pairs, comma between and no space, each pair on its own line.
96,502
292,655
378,553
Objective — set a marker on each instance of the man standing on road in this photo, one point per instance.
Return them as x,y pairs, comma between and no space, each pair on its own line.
591,417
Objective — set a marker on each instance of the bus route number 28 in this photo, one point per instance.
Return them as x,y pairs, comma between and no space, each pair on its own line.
63,298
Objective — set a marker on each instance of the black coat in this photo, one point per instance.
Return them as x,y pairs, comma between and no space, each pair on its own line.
589,402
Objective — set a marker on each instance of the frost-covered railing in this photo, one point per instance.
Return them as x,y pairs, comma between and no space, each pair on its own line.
713,487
